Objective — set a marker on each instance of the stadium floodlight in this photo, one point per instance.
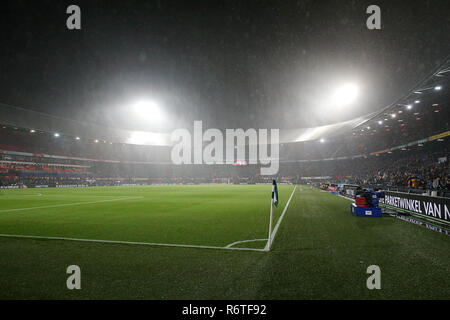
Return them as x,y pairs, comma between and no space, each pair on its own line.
56,134
146,138
437,88
345,95
148,110
393,115
380,122
409,107
417,101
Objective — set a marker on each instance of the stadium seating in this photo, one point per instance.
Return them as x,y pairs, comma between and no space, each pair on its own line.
28,158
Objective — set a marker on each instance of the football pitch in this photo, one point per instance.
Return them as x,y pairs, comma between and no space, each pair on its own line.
206,242
211,216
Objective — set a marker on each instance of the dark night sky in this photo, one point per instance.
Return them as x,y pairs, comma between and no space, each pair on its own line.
230,63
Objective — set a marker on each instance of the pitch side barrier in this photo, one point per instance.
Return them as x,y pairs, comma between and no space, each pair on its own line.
134,185
433,208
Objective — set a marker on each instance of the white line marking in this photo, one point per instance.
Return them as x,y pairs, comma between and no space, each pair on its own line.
69,204
243,241
274,233
129,242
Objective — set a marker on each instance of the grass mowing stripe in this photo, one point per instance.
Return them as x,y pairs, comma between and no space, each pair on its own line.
69,204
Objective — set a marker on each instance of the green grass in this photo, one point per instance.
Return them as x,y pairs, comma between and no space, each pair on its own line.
321,251
189,215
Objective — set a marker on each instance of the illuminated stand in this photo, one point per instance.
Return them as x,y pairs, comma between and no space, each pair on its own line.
361,208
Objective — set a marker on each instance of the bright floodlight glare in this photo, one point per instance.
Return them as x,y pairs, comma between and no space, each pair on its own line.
77,138
345,95
409,107
393,115
148,110
56,135
437,88
417,101
380,122
146,138
322,140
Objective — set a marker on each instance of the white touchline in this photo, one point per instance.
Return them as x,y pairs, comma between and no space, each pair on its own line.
129,242
69,204
274,233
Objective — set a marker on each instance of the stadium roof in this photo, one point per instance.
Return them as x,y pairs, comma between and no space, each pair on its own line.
433,84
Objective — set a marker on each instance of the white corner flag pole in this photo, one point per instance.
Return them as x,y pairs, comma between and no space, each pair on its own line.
269,240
